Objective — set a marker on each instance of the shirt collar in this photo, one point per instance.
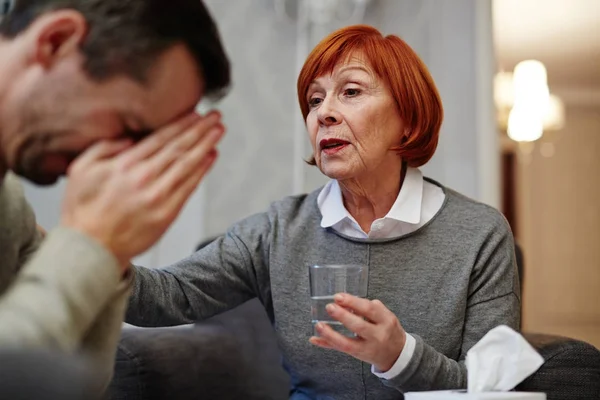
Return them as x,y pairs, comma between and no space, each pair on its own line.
406,208
331,205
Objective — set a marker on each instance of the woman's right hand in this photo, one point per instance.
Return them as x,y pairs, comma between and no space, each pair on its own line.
125,196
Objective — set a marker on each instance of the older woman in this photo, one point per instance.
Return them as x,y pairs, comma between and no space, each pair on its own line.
441,266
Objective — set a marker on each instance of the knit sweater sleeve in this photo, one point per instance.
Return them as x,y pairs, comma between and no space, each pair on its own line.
222,275
492,300
58,286
67,294
58,295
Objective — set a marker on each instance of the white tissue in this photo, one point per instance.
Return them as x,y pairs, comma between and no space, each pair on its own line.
500,361
496,364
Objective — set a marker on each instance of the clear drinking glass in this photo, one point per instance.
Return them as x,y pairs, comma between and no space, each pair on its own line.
328,280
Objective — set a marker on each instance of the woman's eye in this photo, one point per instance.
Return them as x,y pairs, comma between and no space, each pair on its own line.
315,101
352,92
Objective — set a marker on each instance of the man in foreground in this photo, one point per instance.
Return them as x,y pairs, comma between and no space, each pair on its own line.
103,91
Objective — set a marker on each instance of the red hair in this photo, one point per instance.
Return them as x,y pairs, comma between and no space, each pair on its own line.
406,76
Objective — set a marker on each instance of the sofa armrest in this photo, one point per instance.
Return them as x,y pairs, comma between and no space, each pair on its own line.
179,363
571,369
33,374
231,356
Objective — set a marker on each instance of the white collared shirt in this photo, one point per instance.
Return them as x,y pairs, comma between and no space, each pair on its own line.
416,204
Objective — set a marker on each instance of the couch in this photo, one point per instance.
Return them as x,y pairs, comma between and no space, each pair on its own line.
235,356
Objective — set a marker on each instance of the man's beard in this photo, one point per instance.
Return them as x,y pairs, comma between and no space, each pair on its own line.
40,167
35,174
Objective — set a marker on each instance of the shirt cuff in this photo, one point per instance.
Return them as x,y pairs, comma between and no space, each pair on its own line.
402,361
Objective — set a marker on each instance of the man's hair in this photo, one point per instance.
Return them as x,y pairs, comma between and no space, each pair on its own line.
126,36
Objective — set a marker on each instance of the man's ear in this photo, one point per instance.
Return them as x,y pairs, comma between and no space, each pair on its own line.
59,34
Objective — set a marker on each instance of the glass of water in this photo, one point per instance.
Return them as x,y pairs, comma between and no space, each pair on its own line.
328,280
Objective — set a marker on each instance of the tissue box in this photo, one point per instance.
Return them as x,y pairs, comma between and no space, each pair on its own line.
463,395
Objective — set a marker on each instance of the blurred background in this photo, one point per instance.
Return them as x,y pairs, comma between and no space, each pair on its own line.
520,81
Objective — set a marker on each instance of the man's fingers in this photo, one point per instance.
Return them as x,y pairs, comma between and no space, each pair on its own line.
374,310
191,163
179,194
192,144
99,151
155,141
189,185
161,138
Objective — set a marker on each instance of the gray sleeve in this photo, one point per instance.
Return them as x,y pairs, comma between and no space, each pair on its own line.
492,300
219,277
61,287
100,342
59,293
33,235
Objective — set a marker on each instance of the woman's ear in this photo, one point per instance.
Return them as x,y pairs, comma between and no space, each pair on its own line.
405,136
403,140
58,34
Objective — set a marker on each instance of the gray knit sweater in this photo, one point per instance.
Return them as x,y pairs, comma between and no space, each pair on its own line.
448,283
63,294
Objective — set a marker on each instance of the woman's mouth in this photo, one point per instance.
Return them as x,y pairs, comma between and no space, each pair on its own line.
332,146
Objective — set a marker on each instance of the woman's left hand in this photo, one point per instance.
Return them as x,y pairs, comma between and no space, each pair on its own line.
380,337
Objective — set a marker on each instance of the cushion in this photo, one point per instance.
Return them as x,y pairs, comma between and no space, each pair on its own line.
571,369
231,356
34,374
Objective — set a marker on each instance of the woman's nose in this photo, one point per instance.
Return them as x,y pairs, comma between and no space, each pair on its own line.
328,114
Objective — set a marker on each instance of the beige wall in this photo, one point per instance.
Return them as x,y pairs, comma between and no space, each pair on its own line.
559,228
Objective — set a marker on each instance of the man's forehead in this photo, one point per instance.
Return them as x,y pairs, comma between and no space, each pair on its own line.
174,89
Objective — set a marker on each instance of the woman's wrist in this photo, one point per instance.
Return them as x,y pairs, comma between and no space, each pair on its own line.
391,357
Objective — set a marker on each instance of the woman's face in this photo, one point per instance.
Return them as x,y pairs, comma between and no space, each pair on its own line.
353,122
